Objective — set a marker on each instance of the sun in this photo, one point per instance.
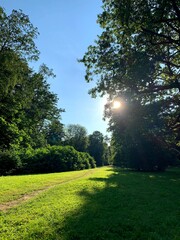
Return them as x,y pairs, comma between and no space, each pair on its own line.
116,104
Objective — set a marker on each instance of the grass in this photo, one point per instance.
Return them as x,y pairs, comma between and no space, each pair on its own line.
107,204
14,187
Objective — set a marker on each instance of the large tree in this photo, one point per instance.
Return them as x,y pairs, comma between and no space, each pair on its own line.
26,102
18,34
136,60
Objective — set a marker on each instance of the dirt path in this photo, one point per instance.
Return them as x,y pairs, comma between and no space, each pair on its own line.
8,205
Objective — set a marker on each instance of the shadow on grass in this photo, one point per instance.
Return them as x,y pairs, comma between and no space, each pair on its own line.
130,206
126,205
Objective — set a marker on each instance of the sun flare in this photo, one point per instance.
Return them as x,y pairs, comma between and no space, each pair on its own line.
116,104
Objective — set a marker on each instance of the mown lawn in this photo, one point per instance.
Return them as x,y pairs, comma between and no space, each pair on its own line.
104,203
13,187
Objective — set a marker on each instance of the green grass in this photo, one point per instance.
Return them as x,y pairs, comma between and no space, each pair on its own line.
107,204
14,187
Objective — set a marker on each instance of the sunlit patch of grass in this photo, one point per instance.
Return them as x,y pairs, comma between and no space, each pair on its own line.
13,187
108,204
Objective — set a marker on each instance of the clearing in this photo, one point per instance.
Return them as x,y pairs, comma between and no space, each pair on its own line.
98,204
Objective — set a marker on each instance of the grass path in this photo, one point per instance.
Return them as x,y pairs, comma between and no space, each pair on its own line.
100,204
22,196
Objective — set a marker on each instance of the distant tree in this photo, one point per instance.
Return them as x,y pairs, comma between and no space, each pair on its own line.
96,147
107,151
54,132
76,136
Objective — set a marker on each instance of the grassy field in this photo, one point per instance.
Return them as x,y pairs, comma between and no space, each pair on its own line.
104,203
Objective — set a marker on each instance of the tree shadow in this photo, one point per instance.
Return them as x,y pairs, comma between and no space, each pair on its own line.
123,205
129,206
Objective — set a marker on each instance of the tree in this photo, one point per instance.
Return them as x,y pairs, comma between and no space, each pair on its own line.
42,108
136,59
26,102
107,151
76,136
13,72
96,147
18,34
140,38
138,139
54,132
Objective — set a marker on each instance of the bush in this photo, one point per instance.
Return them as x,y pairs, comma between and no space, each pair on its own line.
9,162
83,161
54,159
90,159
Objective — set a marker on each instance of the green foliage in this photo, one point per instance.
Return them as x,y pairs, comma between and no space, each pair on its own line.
26,102
54,132
42,109
9,162
18,34
136,61
138,44
54,159
76,136
144,153
11,70
96,147
90,159
138,134
86,160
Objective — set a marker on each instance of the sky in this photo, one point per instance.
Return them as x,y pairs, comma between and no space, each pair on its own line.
67,28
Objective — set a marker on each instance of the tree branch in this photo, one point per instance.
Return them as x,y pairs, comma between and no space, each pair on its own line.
175,84
175,29
165,20
176,9
170,40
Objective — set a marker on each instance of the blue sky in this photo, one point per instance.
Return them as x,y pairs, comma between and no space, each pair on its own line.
67,28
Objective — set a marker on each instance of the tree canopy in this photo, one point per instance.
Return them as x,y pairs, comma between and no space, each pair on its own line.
26,102
136,60
18,34
76,136
96,147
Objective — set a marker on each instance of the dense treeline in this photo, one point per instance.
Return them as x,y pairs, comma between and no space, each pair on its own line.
44,160
60,155
96,144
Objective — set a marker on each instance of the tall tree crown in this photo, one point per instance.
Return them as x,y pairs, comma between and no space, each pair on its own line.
18,34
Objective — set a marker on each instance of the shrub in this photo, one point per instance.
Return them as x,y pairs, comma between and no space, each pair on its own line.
9,162
91,160
55,159
83,161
